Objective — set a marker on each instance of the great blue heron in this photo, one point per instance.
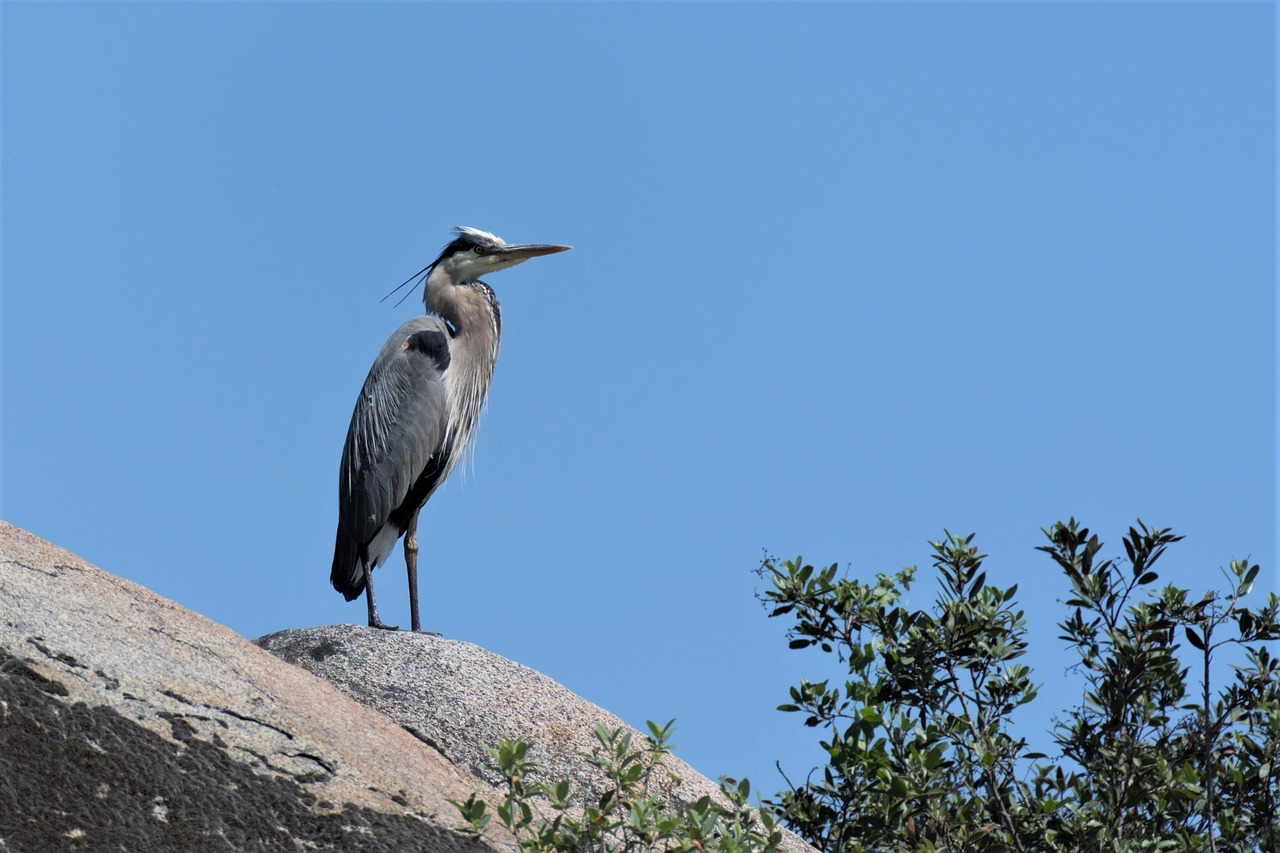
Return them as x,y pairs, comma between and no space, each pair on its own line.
418,410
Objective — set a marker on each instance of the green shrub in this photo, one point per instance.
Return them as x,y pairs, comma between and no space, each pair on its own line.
918,735
629,815
921,755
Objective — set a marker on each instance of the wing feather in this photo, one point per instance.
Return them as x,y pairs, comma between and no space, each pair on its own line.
397,434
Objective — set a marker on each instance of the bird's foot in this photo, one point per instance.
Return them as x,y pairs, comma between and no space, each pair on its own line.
378,623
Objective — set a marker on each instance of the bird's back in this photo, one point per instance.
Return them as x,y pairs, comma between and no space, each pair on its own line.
396,451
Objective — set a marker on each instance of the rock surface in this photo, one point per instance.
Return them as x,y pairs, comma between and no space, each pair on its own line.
461,698
130,723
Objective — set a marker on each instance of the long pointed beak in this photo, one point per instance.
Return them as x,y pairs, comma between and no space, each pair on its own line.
530,250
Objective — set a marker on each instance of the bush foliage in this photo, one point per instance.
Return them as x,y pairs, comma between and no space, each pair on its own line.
630,815
922,756
919,735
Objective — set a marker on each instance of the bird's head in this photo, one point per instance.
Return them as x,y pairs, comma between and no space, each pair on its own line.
473,252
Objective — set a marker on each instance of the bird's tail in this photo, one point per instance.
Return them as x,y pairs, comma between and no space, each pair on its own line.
347,575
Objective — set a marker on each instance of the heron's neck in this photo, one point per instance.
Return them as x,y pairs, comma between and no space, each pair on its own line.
471,309
438,295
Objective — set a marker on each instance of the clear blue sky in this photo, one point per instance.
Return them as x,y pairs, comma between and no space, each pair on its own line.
843,276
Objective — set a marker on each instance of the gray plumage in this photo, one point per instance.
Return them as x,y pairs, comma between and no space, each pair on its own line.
417,413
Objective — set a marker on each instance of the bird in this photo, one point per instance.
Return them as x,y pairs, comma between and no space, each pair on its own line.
417,412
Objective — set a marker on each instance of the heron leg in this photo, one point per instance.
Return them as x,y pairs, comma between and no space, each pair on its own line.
374,620
411,563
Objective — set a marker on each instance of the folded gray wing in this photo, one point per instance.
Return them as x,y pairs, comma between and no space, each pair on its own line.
397,429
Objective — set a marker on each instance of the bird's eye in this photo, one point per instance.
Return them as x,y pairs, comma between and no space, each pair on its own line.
479,250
